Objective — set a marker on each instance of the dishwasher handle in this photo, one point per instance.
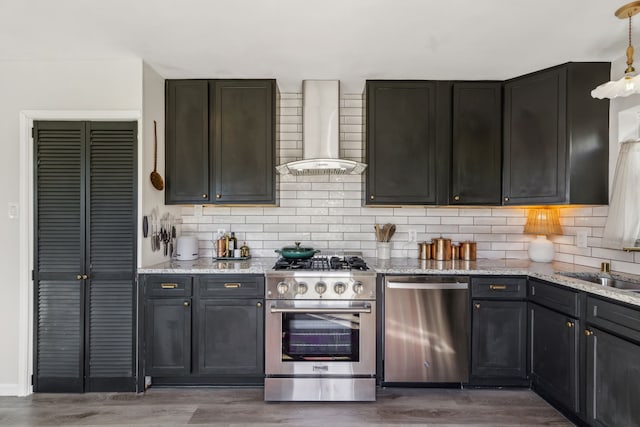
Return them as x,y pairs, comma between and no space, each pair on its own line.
427,285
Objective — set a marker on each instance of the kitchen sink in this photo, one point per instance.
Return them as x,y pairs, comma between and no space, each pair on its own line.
606,279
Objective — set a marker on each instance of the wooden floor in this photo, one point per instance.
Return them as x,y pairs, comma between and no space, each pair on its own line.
211,406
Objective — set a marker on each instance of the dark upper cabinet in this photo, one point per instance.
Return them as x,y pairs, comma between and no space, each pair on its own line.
220,141
556,137
187,142
405,120
476,143
242,137
554,355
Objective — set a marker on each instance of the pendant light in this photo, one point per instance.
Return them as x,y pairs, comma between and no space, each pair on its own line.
629,84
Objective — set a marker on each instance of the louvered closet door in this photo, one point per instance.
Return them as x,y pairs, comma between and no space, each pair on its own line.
59,256
111,243
85,212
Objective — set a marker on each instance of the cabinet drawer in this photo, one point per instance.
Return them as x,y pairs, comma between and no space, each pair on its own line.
167,286
554,297
499,287
231,286
614,317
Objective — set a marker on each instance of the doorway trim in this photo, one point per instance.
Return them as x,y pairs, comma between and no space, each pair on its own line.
25,215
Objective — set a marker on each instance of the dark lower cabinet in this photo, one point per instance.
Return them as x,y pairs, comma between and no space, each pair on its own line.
498,331
168,336
554,355
498,347
612,340
203,329
235,348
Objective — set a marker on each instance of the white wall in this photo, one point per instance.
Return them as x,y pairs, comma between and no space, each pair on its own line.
152,109
54,85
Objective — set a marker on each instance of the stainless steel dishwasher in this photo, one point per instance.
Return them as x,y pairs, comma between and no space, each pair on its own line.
426,329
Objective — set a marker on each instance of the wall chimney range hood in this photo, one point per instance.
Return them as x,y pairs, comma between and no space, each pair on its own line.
320,136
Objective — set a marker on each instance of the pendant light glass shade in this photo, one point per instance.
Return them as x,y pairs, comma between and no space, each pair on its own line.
623,223
627,85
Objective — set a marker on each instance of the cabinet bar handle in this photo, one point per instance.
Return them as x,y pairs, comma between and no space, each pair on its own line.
232,285
497,287
588,333
570,324
169,285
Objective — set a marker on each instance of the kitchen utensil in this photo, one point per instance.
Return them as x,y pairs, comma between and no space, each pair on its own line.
156,179
378,233
297,252
442,249
145,226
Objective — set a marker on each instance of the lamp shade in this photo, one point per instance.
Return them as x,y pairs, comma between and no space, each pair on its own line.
627,85
543,221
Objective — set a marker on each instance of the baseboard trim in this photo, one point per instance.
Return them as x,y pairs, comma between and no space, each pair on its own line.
9,390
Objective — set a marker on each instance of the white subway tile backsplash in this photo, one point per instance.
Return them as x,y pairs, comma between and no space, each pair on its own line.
328,212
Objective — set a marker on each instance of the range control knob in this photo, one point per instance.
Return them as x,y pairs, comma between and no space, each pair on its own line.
358,287
282,288
321,288
302,288
339,288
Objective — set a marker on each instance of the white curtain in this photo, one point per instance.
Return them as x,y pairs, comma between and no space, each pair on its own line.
623,223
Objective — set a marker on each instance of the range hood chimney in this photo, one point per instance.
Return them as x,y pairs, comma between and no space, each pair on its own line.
320,135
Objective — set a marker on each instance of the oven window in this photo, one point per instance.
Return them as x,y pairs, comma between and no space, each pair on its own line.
326,336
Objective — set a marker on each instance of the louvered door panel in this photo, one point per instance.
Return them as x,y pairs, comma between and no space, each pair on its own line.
59,256
111,244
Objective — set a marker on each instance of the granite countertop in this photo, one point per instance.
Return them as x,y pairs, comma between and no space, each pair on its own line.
211,266
515,267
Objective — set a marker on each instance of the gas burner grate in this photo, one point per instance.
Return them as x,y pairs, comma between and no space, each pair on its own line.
322,263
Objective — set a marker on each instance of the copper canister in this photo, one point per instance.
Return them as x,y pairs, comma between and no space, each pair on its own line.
424,250
221,248
455,251
441,250
468,251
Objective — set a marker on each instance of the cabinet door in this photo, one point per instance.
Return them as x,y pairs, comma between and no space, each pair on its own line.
476,170
168,336
230,337
554,357
401,143
243,138
498,340
535,139
187,176
613,380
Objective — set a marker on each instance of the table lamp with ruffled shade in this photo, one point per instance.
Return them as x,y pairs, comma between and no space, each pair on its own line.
542,222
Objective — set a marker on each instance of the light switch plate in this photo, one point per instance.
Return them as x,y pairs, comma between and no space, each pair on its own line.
581,238
13,210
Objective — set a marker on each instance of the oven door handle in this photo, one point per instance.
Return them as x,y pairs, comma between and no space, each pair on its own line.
317,310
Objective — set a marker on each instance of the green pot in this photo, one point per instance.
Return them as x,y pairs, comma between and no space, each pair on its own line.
297,252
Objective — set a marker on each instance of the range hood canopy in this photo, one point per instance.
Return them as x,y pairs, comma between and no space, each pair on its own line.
320,135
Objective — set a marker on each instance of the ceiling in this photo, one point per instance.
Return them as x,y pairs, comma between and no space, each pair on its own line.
293,40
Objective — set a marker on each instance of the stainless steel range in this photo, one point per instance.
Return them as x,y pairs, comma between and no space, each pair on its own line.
320,330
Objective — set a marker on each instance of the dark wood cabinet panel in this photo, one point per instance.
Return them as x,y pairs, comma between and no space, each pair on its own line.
401,142
230,337
203,329
476,144
220,141
555,364
167,336
243,138
187,142
613,380
556,137
498,340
